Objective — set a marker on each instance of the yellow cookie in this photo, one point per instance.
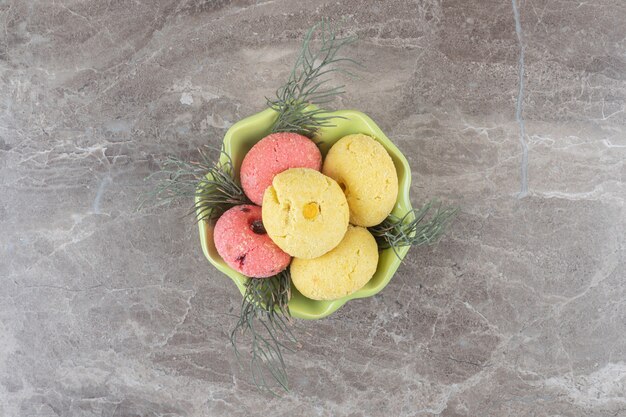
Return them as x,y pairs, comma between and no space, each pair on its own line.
341,271
366,173
305,212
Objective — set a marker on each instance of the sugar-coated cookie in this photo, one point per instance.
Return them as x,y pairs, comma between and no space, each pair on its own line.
340,272
305,212
366,173
241,240
272,155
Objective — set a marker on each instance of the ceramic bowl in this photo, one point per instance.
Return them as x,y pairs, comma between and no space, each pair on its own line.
245,133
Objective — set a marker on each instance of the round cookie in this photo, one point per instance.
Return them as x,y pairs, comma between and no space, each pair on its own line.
243,243
305,212
341,271
366,173
272,155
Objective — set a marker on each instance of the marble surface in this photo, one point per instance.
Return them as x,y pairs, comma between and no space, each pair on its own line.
520,311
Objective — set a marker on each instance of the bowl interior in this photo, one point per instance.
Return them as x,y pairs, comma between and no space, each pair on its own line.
245,133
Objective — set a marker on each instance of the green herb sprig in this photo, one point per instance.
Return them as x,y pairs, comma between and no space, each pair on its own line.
211,184
308,83
413,228
265,317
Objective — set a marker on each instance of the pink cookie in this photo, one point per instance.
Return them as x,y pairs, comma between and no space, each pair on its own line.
272,155
242,242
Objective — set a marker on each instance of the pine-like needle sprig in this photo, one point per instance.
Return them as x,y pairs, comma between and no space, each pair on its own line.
413,228
308,83
211,184
265,317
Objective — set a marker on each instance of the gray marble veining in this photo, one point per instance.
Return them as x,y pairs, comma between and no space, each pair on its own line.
520,311
520,103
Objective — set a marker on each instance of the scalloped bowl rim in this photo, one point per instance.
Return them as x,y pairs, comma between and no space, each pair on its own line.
403,205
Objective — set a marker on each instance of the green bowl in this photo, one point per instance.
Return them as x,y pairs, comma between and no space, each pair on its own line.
238,141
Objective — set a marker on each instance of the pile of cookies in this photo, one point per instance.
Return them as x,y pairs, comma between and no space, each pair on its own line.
310,215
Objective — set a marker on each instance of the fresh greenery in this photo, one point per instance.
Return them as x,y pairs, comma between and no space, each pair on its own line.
212,185
415,228
308,83
265,318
